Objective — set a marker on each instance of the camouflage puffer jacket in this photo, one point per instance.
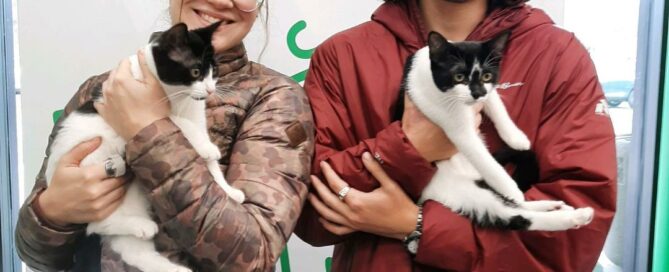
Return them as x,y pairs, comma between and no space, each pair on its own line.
262,123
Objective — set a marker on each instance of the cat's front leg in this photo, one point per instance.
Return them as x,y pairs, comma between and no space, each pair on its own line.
507,129
140,227
217,174
198,139
463,135
545,205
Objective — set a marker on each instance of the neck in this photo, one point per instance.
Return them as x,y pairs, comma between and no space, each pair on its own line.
453,19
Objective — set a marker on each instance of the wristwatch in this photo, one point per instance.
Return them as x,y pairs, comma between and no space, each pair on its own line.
411,240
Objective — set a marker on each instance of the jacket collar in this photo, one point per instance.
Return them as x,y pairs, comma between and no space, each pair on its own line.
231,60
405,21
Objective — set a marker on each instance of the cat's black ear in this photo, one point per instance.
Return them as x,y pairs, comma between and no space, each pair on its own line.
206,33
177,34
498,43
437,43
155,36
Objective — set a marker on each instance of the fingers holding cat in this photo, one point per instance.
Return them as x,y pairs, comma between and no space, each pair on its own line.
429,139
80,194
129,104
386,211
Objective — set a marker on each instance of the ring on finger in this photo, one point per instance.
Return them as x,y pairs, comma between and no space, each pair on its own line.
343,192
110,170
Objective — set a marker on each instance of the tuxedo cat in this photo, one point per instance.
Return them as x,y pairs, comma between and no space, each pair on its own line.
445,80
183,63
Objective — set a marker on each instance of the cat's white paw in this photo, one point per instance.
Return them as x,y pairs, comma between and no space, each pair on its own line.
582,216
143,228
516,139
236,195
118,164
208,151
565,207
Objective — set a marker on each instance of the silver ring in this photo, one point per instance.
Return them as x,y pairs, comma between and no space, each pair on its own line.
343,192
109,168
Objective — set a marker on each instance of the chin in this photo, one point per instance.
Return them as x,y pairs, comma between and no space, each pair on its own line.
223,45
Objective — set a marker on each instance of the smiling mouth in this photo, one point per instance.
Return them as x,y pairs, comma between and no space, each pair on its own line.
211,19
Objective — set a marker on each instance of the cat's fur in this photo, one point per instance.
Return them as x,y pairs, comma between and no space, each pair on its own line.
445,80
173,57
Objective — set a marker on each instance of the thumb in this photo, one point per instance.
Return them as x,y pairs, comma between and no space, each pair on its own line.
407,102
79,152
148,75
376,170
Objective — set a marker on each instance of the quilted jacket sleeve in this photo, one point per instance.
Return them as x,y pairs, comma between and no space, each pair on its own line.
270,163
43,246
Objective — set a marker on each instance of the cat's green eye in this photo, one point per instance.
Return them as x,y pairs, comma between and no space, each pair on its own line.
195,72
459,78
487,77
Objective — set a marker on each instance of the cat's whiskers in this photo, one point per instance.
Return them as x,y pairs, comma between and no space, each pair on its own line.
450,102
219,92
174,95
217,96
489,61
168,97
186,108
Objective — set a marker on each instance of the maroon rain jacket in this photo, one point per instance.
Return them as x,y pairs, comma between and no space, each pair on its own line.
549,85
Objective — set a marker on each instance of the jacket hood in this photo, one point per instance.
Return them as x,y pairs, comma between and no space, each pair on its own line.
406,23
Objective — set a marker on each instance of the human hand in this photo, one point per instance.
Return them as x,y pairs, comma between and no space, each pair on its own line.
77,194
429,139
386,211
129,104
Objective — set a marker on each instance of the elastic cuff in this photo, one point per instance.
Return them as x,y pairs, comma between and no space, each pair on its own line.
402,161
46,223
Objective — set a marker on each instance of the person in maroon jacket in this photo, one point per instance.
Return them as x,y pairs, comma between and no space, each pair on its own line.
549,85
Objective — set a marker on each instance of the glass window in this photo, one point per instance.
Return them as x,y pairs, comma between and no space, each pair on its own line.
611,39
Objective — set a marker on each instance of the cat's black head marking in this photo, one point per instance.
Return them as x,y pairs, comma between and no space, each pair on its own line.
183,57
472,64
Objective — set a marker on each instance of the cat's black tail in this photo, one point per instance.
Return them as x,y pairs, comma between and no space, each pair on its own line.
526,170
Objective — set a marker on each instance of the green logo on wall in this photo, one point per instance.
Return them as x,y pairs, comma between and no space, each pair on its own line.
298,52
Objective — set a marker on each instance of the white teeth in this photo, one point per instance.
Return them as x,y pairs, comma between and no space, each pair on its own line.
208,18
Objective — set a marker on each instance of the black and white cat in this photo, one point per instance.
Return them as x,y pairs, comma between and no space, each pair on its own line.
445,80
183,62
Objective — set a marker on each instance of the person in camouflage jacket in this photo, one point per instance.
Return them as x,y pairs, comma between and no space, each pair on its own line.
262,123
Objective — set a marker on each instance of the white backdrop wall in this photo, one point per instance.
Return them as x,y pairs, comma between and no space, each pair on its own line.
64,42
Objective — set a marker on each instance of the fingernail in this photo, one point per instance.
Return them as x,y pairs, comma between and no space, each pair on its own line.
367,156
